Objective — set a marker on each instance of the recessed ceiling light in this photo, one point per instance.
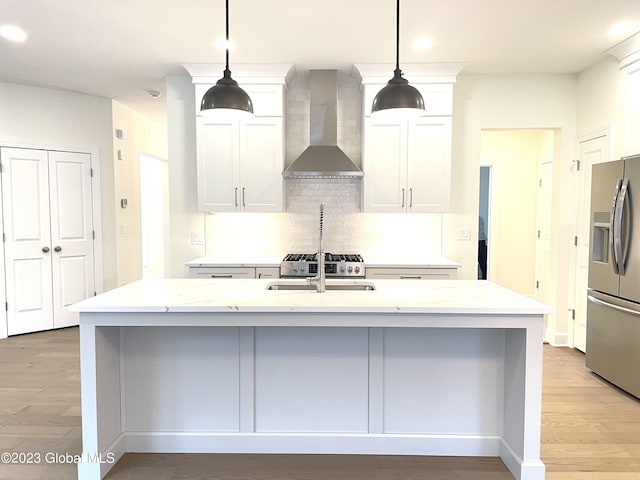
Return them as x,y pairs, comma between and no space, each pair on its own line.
422,43
623,28
13,33
222,44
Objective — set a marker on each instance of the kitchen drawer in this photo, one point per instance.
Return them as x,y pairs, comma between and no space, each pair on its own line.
222,272
267,272
412,273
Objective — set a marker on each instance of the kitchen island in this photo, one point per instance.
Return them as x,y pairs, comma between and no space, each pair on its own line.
416,367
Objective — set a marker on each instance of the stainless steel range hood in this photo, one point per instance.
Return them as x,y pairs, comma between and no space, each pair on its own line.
323,158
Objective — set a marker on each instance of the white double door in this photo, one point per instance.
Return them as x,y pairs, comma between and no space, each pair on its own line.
48,236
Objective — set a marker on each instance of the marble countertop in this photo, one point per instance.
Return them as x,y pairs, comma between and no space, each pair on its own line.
231,261
242,295
406,262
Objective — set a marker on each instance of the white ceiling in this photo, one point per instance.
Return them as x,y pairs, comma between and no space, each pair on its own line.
123,48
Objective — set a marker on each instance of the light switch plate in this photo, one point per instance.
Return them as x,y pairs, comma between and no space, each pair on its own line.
464,234
197,238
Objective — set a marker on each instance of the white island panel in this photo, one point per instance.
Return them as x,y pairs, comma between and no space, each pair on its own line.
311,379
430,373
181,379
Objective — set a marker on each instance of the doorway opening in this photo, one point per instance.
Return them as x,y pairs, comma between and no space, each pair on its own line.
484,202
517,202
154,208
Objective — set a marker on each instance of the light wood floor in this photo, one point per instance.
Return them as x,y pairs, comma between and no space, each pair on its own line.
590,430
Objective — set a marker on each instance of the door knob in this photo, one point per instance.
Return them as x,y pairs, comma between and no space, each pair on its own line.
45,249
57,248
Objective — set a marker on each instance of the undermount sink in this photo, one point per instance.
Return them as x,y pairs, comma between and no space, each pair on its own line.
354,286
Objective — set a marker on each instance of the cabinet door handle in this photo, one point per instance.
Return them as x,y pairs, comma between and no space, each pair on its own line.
243,204
410,277
402,198
45,249
57,248
411,197
235,196
226,275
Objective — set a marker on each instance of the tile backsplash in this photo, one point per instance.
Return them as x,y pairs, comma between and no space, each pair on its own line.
371,234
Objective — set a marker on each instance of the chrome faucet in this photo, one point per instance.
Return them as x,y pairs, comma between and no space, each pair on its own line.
319,279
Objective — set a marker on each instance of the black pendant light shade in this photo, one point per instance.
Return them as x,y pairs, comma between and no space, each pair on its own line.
398,98
226,99
398,94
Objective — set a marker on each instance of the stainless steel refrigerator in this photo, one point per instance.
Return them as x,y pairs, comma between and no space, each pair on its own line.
613,307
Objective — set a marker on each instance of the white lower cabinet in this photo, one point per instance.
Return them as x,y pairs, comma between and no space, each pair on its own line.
234,272
407,273
222,272
268,272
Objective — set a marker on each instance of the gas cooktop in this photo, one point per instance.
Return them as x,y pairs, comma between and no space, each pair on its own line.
345,265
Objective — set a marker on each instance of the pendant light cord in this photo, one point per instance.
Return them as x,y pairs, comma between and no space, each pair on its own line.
226,69
397,35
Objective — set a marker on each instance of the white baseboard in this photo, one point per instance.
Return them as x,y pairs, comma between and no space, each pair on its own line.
313,443
530,470
556,339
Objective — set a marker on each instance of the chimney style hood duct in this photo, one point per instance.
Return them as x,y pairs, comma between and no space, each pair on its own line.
323,158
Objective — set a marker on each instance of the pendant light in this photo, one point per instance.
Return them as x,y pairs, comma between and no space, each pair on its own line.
226,99
397,98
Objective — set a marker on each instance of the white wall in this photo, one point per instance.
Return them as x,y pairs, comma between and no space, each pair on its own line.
183,200
142,135
600,102
48,117
502,102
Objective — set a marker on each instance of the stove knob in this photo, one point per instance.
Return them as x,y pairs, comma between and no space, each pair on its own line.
343,269
357,270
350,269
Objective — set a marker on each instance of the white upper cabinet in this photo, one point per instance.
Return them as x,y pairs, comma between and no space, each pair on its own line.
385,166
407,163
429,164
218,165
240,162
628,53
240,165
261,164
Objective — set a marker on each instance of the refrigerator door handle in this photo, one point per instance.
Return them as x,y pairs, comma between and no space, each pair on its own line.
597,301
612,227
620,244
